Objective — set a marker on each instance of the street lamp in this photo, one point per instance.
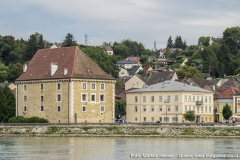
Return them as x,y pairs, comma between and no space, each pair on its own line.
166,101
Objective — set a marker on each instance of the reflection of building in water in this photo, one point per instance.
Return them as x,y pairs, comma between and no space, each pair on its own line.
64,85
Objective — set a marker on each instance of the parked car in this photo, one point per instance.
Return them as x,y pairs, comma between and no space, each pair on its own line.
121,121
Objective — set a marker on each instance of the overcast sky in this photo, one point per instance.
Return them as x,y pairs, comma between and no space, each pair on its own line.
143,21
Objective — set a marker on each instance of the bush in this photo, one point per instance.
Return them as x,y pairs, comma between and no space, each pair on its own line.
21,119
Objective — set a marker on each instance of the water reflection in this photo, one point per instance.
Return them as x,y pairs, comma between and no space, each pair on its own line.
110,148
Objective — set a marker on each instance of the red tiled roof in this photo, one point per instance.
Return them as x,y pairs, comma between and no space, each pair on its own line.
108,48
228,92
78,65
135,59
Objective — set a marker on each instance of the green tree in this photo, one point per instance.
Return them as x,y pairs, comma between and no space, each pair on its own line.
226,112
15,70
120,108
188,71
204,41
189,116
231,38
118,85
69,41
7,104
34,43
178,43
105,61
170,42
3,72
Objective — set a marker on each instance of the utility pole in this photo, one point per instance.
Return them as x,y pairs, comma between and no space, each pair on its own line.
86,39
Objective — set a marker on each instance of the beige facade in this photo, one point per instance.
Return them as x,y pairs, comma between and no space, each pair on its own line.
134,82
168,106
67,101
63,85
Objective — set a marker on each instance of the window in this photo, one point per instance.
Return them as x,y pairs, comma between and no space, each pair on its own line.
197,98
25,87
144,98
84,97
193,98
202,109
176,98
201,98
144,119
136,98
168,98
210,109
144,109
84,85
59,97
193,108
205,98
84,108
197,109
136,108
93,97
42,98
42,108
185,108
210,99
166,119
42,86
168,108
152,98
238,100
160,98
205,109
58,108
160,119
135,118
102,109
93,86
160,108
102,86
152,118
102,98
25,109
189,108
176,108
189,99
152,108
185,98
58,86
25,98
174,119
205,119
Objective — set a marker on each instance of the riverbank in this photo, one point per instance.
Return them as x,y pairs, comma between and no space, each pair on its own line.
122,131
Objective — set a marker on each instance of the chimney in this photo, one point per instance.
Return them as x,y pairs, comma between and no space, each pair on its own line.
214,87
24,68
54,67
65,71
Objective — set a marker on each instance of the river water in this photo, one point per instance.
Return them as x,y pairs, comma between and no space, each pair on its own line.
110,148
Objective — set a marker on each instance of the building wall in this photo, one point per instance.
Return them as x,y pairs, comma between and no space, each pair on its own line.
236,105
220,103
123,72
159,115
70,103
134,82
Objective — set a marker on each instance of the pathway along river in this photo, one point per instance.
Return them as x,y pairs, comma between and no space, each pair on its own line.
110,148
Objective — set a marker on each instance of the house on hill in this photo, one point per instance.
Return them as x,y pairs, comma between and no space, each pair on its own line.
108,49
64,85
149,78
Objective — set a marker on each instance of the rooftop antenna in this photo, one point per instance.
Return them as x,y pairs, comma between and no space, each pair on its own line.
86,39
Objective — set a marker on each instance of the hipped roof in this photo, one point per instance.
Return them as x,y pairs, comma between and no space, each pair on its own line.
77,63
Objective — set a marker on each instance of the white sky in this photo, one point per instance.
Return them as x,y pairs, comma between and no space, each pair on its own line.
143,21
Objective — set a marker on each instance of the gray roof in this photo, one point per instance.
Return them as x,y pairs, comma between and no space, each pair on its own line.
125,62
170,86
133,70
156,77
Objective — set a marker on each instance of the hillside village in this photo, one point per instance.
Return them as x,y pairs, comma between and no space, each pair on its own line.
99,84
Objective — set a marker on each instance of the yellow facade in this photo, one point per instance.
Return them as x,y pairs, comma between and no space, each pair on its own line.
152,106
220,103
61,101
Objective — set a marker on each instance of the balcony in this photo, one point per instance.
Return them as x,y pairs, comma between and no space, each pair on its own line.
199,102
